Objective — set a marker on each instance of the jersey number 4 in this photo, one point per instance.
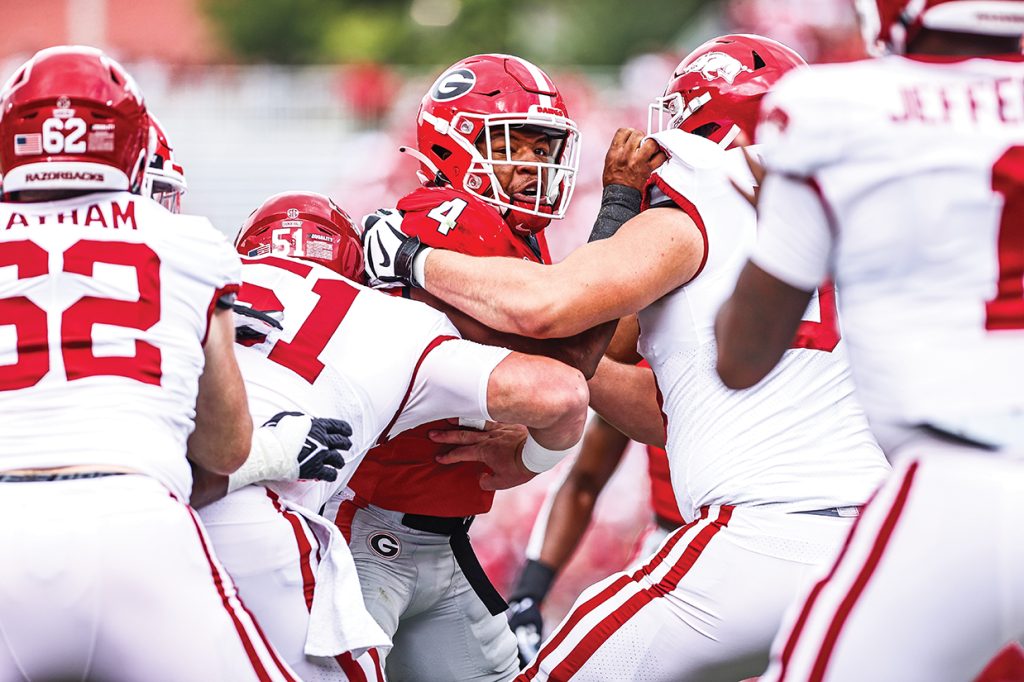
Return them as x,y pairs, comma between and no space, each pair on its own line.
76,322
1006,310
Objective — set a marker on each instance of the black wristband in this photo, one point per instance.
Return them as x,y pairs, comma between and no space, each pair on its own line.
534,581
619,203
404,257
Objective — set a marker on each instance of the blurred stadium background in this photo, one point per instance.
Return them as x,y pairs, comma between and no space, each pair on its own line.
262,96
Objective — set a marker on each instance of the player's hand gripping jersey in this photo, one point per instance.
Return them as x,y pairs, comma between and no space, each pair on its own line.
935,308
106,298
798,440
403,474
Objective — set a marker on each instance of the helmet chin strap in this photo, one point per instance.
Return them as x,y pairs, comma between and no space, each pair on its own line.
422,158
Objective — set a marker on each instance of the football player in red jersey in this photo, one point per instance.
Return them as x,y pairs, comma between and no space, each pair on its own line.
499,155
108,573
770,479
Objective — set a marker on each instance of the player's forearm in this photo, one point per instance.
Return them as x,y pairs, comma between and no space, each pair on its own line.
756,326
207,487
570,516
506,294
223,433
626,397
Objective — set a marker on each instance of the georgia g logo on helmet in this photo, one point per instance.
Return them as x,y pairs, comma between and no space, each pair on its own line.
717,65
452,85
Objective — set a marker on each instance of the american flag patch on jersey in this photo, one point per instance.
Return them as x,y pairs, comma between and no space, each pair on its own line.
28,143
259,251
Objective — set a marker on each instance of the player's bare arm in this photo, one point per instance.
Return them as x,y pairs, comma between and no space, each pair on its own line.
582,351
625,395
550,398
653,253
756,325
573,506
223,433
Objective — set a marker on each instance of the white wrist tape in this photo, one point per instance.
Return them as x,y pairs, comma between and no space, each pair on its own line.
419,263
538,458
274,453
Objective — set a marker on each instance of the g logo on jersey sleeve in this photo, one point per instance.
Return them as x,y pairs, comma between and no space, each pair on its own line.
384,545
452,85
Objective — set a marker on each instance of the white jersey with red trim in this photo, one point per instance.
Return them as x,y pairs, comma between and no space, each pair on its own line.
922,225
382,363
798,440
106,300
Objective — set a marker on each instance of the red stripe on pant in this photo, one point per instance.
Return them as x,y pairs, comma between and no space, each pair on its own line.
884,534
250,649
304,546
586,607
343,519
353,671
604,629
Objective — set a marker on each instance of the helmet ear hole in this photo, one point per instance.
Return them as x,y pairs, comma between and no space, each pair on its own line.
441,152
706,130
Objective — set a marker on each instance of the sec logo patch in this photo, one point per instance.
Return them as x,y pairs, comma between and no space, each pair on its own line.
384,545
452,85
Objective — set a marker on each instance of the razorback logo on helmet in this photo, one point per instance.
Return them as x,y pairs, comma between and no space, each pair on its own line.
452,85
717,65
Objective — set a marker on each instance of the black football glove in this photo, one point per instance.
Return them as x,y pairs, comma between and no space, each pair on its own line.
524,616
388,252
320,457
254,325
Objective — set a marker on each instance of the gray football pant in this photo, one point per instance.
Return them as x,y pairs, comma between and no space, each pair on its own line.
418,594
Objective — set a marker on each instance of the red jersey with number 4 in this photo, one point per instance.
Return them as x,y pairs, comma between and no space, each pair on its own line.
796,441
924,186
382,363
105,301
403,475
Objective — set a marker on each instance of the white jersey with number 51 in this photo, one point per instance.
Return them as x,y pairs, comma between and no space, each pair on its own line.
797,441
920,216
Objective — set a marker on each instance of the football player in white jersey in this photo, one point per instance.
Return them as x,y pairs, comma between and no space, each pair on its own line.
116,357
382,363
770,477
902,178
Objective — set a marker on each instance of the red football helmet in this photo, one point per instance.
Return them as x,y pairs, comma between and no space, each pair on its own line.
716,90
479,100
71,118
888,25
305,225
164,178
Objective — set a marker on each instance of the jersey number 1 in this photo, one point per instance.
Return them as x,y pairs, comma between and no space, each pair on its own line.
1006,310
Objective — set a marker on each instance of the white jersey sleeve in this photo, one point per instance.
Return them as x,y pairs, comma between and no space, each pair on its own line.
451,381
794,236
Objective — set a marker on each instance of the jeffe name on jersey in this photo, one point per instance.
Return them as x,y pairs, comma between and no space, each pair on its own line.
984,102
110,214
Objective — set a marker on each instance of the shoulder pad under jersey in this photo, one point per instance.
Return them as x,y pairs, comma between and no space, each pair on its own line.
446,218
696,167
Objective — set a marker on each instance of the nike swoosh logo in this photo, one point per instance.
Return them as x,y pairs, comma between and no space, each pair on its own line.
386,259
